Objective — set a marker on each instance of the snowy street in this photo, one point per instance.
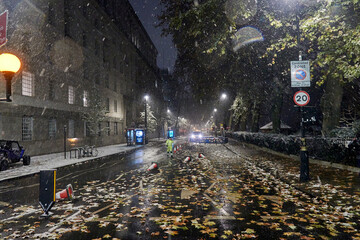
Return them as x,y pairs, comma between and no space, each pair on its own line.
234,192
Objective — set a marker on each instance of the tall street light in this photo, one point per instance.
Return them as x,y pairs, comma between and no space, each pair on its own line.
146,99
9,65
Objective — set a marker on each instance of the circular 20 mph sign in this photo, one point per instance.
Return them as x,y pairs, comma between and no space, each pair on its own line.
301,98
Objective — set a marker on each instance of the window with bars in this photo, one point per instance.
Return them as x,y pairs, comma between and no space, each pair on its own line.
71,132
86,98
115,106
108,128
52,128
116,131
27,84
71,95
27,128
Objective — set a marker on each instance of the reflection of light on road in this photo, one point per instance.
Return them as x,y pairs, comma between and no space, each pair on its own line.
138,157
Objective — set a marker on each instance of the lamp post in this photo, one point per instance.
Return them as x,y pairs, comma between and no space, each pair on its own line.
9,65
146,99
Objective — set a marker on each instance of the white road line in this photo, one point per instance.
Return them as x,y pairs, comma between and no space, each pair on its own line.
66,219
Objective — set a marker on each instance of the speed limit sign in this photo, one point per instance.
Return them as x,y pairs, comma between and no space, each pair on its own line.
301,98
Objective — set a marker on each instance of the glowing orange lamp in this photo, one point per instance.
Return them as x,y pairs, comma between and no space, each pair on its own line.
9,65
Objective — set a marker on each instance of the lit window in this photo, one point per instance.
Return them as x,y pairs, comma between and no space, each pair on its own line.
71,95
27,128
28,84
86,98
52,128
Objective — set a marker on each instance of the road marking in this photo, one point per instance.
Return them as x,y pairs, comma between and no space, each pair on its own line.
211,186
66,219
186,193
119,177
109,206
19,216
217,205
210,217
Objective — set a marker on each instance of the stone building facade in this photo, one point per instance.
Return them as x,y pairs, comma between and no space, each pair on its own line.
85,68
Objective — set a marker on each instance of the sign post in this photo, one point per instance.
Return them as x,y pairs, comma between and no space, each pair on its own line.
300,73
3,27
300,77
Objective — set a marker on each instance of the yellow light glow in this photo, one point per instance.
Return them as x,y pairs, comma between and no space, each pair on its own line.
9,63
72,140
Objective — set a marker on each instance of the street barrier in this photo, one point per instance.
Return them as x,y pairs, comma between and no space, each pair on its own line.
67,193
47,190
153,166
187,159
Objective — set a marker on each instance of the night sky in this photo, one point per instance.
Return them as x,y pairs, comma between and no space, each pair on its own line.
147,11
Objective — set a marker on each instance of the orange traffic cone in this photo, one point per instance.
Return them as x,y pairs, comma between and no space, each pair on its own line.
66,193
201,155
174,149
153,166
187,159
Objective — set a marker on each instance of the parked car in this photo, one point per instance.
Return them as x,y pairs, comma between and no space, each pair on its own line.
11,152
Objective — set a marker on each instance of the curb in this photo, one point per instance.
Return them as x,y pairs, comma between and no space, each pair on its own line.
34,173
311,160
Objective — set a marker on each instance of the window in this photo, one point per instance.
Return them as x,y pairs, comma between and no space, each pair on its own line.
107,81
108,128
115,86
116,131
71,129
84,37
71,95
108,104
99,129
86,129
52,128
86,98
51,13
27,128
51,90
27,84
97,77
115,105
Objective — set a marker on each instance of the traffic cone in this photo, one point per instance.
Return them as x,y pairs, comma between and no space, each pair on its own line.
153,166
174,149
66,193
201,155
187,159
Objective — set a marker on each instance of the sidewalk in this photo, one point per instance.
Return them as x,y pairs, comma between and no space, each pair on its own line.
56,160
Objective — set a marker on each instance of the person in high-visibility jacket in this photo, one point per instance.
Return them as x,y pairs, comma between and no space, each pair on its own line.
169,145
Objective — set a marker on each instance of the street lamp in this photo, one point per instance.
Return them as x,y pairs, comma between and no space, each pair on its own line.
223,96
9,65
146,97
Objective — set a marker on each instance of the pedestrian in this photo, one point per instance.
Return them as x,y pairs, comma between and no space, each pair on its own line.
169,145
355,146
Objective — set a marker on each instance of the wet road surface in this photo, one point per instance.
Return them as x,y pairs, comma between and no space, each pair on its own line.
232,193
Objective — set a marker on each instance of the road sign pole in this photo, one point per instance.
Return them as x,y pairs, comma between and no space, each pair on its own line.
304,156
